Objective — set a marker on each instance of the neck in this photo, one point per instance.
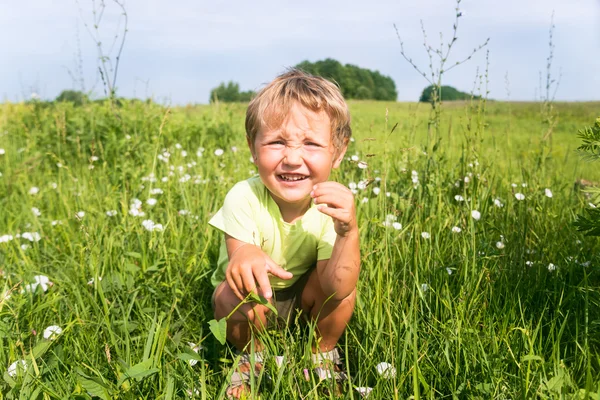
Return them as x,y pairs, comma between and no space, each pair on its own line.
291,212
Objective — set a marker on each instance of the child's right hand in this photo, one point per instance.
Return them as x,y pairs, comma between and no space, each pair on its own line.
248,269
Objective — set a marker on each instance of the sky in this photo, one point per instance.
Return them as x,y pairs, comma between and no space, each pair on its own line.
177,51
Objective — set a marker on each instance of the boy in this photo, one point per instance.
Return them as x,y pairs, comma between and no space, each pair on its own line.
290,234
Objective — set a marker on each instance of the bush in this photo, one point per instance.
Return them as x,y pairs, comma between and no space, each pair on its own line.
230,93
72,96
448,94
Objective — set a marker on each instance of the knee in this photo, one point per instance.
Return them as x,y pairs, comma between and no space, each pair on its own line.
225,301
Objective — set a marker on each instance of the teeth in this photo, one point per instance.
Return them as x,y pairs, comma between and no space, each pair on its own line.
292,177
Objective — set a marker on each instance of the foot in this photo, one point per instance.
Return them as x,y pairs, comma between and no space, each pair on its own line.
239,387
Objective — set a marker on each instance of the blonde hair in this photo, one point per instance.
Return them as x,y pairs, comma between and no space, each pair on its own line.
272,104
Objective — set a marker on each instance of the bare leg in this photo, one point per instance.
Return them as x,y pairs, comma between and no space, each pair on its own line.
332,316
248,317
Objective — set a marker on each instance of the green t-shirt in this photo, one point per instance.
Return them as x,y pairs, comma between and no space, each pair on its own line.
250,215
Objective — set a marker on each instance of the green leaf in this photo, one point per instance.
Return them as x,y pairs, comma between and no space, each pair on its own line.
261,300
94,388
138,371
219,329
134,255
41,348
189,356
531,357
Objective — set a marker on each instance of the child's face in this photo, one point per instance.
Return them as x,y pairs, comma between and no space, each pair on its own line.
294,157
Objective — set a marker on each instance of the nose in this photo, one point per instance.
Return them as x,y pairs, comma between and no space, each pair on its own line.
293,155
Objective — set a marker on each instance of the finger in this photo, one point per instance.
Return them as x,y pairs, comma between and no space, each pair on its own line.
234,286
340,214
248,279
260,274
335,200
279,272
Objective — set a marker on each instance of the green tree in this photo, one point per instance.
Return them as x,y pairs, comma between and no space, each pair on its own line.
448,93
73,96
589,221
230,93
354,82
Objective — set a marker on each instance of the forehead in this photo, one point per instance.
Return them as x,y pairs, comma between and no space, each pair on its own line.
295,117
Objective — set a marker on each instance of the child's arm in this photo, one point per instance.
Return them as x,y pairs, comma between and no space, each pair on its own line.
339,274
248,268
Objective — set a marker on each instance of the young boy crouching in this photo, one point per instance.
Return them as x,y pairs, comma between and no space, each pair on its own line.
290,234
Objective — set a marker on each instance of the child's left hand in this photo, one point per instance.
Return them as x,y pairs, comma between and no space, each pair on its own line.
337,201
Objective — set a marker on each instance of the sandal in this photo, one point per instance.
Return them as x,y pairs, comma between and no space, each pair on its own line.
242,378
329,367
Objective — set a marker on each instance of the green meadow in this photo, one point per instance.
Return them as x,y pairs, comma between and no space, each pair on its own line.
474,282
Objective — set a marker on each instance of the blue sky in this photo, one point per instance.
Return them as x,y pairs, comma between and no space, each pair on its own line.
177,51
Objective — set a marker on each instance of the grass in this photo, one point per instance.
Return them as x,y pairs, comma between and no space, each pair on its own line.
457,314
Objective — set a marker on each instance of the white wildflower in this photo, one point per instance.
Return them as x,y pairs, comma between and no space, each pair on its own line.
548,193
500,245
352,186
195,348
498,203
519,196
6,238
396,225
34,190
156,191
151,226
513,185
16,367
40,280
111,213
151,201
476,215
2,152
425,235
467,179
376,191
458,197
25,246
449,271
389,219
365,200
31,236
424,287
94,158
388,194
219,152
529,263
128,137
551,267
183,212
354,158
456,229
364,391
362,165
362,185
200,151
92,280
592,205
524,184
177,146
36,211
56,222
52,332
386,370
135,209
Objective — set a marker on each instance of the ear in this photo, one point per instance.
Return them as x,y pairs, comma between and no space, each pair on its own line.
340,154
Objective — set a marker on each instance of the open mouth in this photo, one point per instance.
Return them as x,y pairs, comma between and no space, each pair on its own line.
292,177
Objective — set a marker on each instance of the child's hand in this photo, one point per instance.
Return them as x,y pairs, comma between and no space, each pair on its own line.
337,201
248,270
